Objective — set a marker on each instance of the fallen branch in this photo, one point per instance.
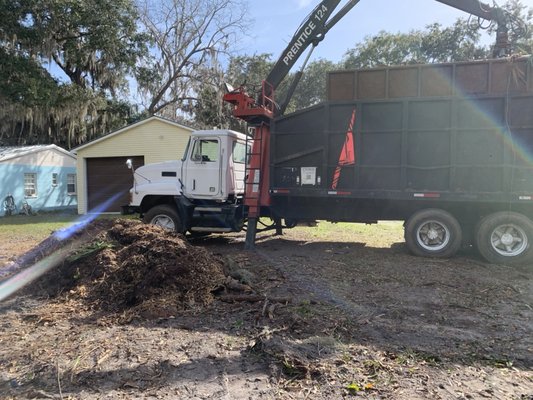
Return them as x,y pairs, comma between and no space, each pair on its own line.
252,298
233,284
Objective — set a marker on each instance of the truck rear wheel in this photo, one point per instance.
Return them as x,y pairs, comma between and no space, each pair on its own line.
505,237
433,233
164,216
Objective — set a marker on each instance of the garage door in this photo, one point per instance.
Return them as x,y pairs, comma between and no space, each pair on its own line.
108,177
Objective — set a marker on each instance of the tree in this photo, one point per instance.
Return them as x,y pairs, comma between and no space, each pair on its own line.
187,39
248,71
24,81
93,42
313,85
434,44
459,42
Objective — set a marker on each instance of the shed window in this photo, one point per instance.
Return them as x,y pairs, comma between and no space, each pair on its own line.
54,179
30,185
71,183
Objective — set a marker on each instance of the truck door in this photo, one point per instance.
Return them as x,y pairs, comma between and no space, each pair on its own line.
203,171
240,152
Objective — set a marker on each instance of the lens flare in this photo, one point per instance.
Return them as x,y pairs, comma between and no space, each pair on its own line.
85,220
18,281
28,275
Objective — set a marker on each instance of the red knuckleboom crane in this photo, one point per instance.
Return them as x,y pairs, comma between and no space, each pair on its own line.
258,111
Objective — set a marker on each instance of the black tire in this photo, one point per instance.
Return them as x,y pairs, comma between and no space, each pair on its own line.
505,238
164,216
433,233
290,223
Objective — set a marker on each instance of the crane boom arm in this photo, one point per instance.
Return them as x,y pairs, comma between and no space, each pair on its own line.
475,7
312,31
494,14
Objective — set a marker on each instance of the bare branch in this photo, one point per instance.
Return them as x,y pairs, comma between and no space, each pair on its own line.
188,38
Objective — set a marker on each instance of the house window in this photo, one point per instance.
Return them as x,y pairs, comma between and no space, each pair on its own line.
30,185
71,183
54,179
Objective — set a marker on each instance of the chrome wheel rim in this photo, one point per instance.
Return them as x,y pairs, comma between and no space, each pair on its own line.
433,235
163,221
508,240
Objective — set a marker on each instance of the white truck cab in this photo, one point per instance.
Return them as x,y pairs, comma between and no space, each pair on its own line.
213,166
202,192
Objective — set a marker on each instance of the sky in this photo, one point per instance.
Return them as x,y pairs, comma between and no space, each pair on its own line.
276,22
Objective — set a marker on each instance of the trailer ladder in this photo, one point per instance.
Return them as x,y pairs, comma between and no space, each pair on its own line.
253,171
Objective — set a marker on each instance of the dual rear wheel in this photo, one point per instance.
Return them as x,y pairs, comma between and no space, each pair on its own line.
501,237
505,237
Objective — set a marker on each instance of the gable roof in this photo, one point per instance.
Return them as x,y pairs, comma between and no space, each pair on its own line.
131,126
10,152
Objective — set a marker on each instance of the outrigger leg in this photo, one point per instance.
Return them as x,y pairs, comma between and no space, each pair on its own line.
251,231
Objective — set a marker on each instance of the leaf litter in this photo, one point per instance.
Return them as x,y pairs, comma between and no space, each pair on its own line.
137,306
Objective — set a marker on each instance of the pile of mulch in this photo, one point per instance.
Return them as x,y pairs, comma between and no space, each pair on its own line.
137,270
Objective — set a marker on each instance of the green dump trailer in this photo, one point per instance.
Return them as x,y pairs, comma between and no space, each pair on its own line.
446,148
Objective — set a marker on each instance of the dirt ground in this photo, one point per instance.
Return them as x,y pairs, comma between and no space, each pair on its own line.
138,314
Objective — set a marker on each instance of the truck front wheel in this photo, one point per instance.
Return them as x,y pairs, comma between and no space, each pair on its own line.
164,216
433,233
505,237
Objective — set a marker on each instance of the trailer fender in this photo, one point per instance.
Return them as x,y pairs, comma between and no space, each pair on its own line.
433,233
505,237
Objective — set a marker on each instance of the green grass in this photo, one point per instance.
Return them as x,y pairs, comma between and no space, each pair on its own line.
326,228
382,232
37,227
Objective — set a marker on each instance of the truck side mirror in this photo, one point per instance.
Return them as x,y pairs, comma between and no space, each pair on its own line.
129,163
